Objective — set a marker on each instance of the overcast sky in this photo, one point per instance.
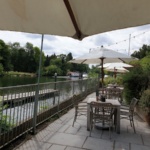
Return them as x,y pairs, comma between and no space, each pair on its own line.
117,40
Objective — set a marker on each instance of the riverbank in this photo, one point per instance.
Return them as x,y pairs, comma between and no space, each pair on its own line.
19,74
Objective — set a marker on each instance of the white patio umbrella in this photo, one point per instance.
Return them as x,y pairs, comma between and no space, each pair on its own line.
100,56
116,70
116,65
73,18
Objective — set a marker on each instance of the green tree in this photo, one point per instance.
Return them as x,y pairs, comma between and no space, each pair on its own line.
5,56
135,82
145,63
69,57
47,61
1,69
144,51
50,70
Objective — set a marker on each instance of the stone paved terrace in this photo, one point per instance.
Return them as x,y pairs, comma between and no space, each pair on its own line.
60,135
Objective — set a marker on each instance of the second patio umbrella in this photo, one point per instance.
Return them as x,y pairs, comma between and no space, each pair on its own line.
101,55
116,70
116,67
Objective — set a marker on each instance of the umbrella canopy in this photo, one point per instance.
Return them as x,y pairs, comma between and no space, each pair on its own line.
101,55
116,69
116,65
73,18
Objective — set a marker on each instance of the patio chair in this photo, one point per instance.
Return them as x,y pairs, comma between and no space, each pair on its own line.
114,93
80,108
127,112
101,113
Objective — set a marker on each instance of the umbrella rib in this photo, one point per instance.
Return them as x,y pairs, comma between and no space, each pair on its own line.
122,60
83,61
78,32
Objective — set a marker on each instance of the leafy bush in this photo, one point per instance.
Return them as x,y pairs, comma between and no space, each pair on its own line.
4,124
50,70
145,101
135,82
112,80
1,69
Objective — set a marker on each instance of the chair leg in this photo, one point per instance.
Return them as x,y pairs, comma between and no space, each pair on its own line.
109,131
133,125
91,123
115,118
130,118
91,126
75,117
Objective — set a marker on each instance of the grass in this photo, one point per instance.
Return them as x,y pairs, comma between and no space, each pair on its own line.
15,73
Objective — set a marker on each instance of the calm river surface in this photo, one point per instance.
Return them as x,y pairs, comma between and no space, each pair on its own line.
13,81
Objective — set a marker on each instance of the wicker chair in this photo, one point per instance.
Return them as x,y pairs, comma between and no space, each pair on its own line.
127,112
101,113
80,109
114,93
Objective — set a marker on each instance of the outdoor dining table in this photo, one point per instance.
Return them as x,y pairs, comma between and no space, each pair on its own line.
116,104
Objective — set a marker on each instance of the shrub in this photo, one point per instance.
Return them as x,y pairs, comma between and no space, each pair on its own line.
135,82
112,80
145,101
5,125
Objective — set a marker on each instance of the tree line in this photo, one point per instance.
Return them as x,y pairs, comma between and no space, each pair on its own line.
14,57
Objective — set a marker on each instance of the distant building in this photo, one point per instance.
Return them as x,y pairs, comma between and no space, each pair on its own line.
73,74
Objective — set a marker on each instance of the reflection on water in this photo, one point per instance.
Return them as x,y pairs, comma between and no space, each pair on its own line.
18,114
15,80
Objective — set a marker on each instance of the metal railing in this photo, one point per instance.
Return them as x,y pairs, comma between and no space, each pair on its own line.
17,105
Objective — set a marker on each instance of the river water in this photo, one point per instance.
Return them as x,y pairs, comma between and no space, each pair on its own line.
15,80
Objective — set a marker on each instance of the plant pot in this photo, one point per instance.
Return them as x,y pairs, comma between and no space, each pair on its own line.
147,117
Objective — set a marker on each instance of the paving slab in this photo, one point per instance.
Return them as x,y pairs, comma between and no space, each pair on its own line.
34,145
73,148
39,136
72,130
146,139
64,128
98,144
139,147
128,137
121,146
67,139
94,133
53,127
57,147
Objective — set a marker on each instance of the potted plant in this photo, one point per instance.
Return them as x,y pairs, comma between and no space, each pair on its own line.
145,104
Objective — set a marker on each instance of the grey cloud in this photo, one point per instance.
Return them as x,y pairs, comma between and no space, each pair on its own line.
32,36
144,27
47,47
103,40
50,37
37,36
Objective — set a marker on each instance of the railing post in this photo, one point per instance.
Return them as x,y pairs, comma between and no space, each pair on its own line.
58,104
37,89
55,76
72,88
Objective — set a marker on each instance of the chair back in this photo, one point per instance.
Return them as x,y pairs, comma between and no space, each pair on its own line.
114,93
133,104
101,110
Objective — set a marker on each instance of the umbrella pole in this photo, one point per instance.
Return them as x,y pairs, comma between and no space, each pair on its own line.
37,89
102,71
114,72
